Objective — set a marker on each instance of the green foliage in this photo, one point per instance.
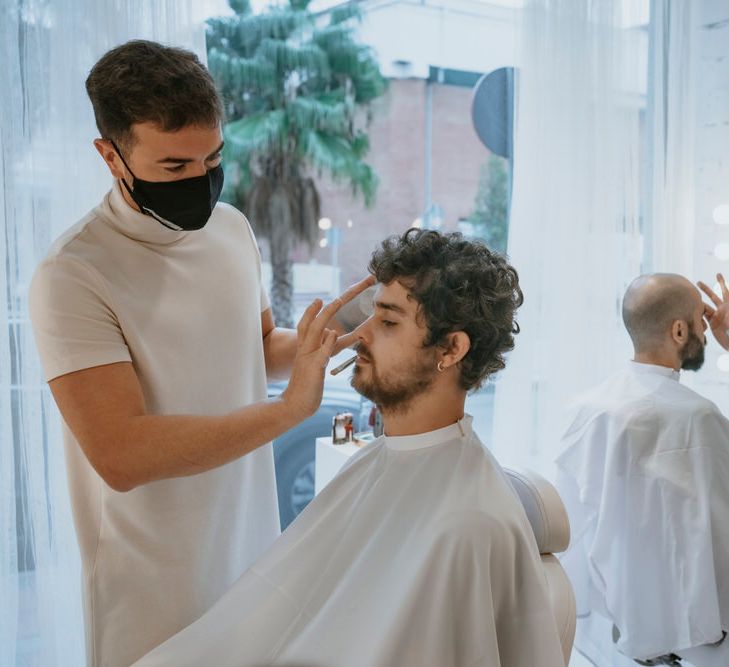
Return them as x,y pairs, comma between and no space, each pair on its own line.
294,91
491,208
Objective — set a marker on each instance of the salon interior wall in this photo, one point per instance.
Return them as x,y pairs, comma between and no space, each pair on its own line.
711,238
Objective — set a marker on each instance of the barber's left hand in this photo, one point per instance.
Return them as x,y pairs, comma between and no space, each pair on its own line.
718,316
347,339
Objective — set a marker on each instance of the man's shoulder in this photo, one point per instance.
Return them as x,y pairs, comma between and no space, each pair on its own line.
228,215
487,504
73,240
623,391
73,251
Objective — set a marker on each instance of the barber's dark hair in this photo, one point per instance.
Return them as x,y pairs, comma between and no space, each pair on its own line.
460,285
142,81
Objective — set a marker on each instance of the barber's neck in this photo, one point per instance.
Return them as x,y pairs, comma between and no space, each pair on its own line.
437,408
659,357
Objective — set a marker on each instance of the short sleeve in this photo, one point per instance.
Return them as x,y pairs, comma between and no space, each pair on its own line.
265,301
74,325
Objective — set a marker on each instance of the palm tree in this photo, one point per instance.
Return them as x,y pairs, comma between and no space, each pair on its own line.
297,96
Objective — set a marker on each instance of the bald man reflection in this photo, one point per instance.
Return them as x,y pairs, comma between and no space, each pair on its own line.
645,476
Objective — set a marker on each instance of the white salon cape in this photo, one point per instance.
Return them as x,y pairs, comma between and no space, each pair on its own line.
644,473
418,554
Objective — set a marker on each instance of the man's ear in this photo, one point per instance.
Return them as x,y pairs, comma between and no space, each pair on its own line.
679,331
109,155
457,345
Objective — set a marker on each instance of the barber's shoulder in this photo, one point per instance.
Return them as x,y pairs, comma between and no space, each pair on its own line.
59,270
229,215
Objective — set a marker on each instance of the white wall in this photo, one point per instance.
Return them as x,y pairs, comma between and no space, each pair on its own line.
457,34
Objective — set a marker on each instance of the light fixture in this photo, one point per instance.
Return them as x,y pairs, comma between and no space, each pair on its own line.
721,214
722,363
350,224
324,224
721,251
323,243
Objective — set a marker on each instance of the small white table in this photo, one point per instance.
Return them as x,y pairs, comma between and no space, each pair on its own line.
329,460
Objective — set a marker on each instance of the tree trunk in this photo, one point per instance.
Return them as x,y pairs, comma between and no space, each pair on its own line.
282,269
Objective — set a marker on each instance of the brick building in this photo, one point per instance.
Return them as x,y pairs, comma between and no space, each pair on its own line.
422,143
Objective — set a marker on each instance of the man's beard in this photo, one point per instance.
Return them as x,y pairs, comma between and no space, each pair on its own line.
692,354
405,382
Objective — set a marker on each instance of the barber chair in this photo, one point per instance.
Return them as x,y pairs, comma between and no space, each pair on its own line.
709,655
549,521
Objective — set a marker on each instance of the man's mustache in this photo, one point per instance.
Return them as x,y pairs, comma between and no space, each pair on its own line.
362,351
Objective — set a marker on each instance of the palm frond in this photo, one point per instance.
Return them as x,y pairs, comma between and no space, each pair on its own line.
287,57
346,12
335,155
368,82
259,133
248,75
242,34
321,114
241,7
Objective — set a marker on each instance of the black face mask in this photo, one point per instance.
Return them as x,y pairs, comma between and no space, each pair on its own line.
183,205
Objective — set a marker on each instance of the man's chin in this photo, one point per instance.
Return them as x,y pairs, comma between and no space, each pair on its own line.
357,383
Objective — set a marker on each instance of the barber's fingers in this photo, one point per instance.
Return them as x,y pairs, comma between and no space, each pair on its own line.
345,297
710,293
722,284
315,327
327,345
308,317
345,340
356,289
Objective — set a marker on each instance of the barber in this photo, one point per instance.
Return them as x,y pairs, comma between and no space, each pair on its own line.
157,339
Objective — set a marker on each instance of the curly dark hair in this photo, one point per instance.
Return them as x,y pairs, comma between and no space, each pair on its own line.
460,285
142,81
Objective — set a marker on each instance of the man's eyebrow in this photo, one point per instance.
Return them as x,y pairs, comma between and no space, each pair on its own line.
390,306
185,160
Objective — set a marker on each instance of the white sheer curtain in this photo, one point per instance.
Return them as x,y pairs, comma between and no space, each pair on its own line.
574,230
670,127
50,176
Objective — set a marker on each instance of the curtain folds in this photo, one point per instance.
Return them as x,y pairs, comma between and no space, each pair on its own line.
50,175
574,233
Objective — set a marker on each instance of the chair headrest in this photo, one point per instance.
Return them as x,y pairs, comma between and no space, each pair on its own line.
544,509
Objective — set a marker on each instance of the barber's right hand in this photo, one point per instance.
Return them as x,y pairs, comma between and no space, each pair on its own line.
316,344
718,315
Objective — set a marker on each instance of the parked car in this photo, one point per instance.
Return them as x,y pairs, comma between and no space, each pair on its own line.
294,451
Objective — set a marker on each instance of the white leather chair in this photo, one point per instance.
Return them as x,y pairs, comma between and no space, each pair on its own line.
549,521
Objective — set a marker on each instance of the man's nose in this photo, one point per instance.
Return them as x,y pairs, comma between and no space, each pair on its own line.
362,332
197,169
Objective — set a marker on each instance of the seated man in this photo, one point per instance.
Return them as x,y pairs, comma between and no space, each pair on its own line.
418,554
644,474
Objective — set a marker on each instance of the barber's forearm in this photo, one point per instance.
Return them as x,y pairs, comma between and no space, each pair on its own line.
279,349
155,447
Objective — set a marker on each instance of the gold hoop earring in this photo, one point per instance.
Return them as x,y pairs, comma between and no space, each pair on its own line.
440,367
